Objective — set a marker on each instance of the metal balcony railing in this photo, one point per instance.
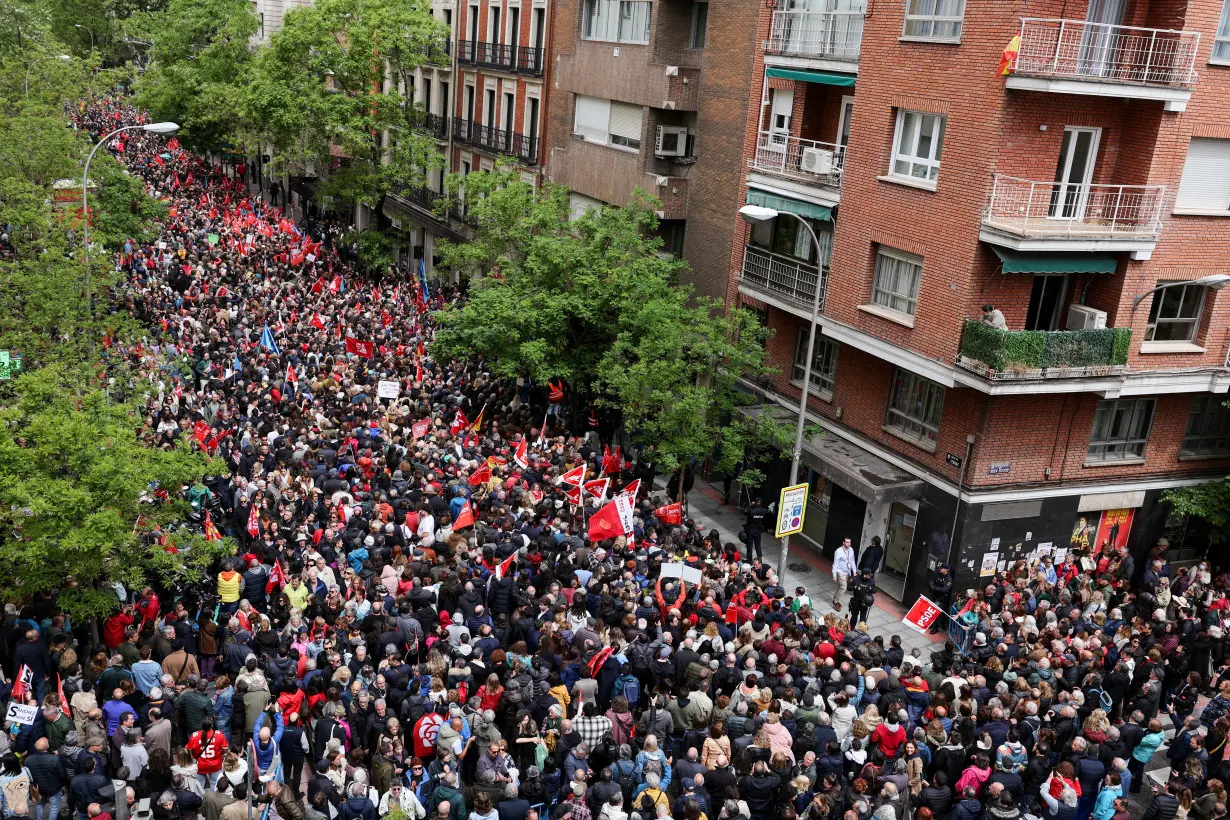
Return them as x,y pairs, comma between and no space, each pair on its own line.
782,276
797,158
836,35
1077,50
1028,208
500,57
521,146
436,125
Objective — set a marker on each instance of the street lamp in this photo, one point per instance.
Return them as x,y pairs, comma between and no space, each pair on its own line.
90,30
35,62
165,129
1214,281
759,213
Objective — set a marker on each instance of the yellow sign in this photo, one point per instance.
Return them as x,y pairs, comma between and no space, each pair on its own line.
790,510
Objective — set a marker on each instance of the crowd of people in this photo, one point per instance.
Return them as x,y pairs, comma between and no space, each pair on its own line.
416,622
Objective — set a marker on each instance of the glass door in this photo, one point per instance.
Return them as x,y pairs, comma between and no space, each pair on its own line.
1074,172
1100,41
781,111
1046,302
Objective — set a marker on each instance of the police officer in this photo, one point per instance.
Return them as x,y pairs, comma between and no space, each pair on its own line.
753,526
941,587
862,595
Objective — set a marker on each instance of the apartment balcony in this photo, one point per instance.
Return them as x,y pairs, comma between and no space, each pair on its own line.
501,57
1003,355
497,140
436,125
431,210
635,76
824,36
1094,59
812,169
782,281
1054,216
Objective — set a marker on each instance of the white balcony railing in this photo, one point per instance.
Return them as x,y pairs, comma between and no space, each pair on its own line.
836,35
818,163
1075,49
1040,209
783,276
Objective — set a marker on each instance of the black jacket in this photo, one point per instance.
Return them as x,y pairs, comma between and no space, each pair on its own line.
47,772
1163,807
938,799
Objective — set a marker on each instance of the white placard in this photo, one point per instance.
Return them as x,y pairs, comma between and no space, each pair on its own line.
691,575
672,570
20,713
388,389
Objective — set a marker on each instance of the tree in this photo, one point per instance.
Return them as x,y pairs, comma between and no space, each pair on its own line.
1210,501
596,303
74,477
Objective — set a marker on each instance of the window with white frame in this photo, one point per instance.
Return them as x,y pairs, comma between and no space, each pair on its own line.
823,361
917,144
1120,430
1175,314
1208,428
915,405
616,21
1221,41
895,285
934,19
608,122
1205,184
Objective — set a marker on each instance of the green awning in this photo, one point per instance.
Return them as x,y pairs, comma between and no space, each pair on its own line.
822,77
1025,262
794,206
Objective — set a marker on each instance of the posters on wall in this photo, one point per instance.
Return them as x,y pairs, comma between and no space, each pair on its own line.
1113,529
989,562
1083,532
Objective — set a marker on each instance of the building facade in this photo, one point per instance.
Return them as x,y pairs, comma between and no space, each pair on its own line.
1080,186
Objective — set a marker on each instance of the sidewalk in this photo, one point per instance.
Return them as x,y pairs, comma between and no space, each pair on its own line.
704,505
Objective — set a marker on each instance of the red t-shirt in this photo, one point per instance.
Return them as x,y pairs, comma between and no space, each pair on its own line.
208,751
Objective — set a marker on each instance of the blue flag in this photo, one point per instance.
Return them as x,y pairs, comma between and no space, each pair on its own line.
423,278
268,343
238,364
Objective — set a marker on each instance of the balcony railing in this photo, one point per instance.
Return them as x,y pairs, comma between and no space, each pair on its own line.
436,125
1056,209
437,203
500,56
836,35
1042,354
805,160
1077,50
490,138
776,275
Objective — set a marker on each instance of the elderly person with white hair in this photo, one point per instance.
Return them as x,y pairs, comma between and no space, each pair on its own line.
1062,807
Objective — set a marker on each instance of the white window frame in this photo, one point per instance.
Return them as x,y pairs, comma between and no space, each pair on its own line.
1165,299
915,408
1202,185
1221,38
622,143
1124,426
604,21
922,14
1208,428
888,293
906,138
823,362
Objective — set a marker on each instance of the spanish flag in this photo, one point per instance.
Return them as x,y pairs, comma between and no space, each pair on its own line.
1007,62
477,426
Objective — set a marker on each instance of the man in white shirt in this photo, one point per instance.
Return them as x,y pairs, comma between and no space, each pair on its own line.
843,568
427,529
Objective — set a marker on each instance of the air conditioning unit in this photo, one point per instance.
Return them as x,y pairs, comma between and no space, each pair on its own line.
672,141
817,161
1083,317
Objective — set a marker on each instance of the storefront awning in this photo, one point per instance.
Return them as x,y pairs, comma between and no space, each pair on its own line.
794,206
822,77
1024,262
868,476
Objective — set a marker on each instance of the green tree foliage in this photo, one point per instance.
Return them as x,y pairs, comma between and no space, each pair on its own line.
1210,501
596,303
74,477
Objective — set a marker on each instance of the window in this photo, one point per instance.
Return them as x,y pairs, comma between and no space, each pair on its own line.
934,19
700,20
914,406
1205,185
896,281
1221,42
617,21
1120,430
823,362
917,144
608,122
1175,314
1208,428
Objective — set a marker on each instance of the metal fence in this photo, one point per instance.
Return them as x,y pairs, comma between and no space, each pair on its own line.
1081,50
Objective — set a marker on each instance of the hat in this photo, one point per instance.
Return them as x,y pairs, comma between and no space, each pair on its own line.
689,783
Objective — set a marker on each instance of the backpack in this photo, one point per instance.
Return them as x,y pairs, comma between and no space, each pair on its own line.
640,658
625,779
629,687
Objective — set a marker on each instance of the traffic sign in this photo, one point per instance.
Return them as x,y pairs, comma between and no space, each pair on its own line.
790,510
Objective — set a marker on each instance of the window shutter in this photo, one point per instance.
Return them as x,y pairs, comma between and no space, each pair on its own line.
1206,175
592,115
626,120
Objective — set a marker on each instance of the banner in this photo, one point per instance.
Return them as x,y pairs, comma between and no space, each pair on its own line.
923,614
1114,529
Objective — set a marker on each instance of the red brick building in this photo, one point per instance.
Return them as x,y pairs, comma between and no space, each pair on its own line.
1080,195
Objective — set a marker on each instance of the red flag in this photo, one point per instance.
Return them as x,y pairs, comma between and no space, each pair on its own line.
23,685
611,462
504,566
362,349
460,422
597,487
385,318
465,518
480,476
211,532
254,522
670,514
574,477
64,707
296,258
158,160
316,322
573,495
420,428
632,490
341,511
216,440
336,285
173,144
521,454
276,578
200,432
418,370
291,376
612,520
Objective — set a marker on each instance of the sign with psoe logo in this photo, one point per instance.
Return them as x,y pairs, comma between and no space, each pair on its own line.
923,614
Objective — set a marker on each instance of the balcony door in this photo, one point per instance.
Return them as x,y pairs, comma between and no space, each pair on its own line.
844,32
1070,195
776,146
1100,41
1046,302
802,31
843,128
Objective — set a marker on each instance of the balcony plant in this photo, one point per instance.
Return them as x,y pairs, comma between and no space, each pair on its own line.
1022,351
